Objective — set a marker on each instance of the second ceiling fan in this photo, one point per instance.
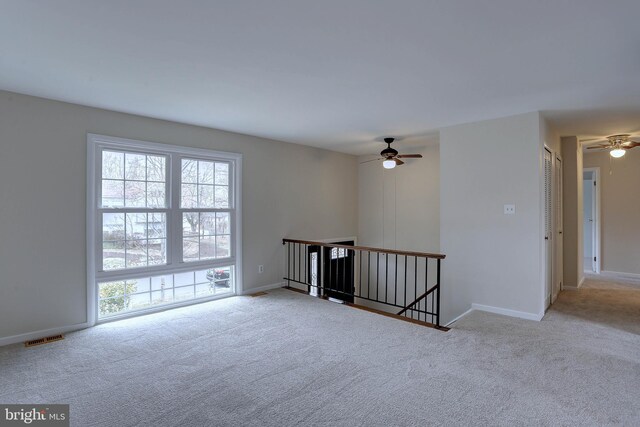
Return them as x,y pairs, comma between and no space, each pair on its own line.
391,157
617,145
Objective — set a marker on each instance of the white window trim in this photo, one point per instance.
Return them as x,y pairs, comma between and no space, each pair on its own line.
94,143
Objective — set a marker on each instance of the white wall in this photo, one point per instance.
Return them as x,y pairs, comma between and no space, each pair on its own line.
619,210
288,191
492,259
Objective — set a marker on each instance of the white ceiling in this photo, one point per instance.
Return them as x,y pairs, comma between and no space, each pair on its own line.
337,74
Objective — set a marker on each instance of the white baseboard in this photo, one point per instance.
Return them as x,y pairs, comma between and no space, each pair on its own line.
459,317
508,312
623,277
262,288
41,334
581,281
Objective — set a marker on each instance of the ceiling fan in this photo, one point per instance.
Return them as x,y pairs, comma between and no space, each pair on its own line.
391,157
617,144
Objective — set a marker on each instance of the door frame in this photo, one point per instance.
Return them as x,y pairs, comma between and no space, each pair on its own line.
548,233
595,209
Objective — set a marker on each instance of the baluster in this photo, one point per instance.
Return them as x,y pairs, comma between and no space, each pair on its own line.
395,292
405,282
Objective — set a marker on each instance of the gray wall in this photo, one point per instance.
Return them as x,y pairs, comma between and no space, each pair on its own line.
288,191
492,259
572,213
619,209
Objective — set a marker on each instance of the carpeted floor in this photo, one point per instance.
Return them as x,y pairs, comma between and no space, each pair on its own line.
289,359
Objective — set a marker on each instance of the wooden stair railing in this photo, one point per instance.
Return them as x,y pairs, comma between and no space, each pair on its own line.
374,279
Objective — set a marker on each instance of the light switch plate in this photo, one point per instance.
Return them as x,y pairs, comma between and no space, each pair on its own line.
509,209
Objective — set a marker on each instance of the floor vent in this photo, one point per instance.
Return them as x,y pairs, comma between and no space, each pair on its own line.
258,294
45,340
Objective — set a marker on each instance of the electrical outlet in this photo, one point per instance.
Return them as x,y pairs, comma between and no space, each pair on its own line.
509,209
261,269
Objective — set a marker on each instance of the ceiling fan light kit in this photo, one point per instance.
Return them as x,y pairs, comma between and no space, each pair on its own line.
390,156
389,164
617,152
617,145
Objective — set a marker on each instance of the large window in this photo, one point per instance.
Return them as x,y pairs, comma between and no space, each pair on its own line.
162,224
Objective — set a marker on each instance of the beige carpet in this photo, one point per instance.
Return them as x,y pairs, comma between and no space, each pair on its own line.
289,359
597,282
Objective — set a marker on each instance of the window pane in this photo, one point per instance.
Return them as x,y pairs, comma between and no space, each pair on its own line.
205,196
156,195
112,226
135,166
112,165
189,171
157,251
156,168
139,301
223,247
134,194
136,226
111,289
161,297
222,197
204,290
162,283
207,224
184,293
113,255
189,196
202,276
112,193
121,296
205,172
157,225
136,255
141,285
222,174
220,278
190,224
182,279
190,250
207,247
223,225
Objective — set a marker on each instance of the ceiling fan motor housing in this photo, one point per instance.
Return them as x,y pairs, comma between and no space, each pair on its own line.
389,152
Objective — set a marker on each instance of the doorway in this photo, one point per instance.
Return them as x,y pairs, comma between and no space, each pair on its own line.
338,269
591,220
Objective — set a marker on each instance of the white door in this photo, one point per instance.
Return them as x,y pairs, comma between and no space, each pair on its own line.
548,231
558,271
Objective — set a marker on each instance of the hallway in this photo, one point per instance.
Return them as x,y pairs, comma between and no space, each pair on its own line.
600,303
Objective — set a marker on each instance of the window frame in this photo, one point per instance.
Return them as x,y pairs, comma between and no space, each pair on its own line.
173,211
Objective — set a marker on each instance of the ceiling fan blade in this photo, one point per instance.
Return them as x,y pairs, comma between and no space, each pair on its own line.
409,156
633,144
372,160
398,161
597,147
